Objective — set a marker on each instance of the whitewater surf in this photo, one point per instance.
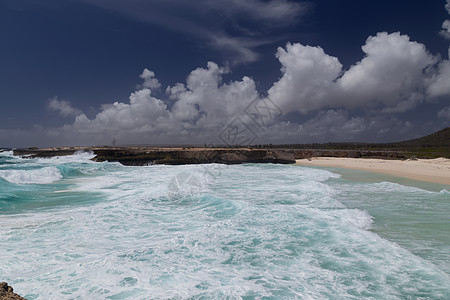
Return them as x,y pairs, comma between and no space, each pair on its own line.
72,228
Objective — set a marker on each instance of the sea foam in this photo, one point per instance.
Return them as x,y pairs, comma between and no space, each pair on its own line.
205,232
36,176
6,153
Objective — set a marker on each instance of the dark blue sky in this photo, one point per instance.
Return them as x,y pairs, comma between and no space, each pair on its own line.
63,58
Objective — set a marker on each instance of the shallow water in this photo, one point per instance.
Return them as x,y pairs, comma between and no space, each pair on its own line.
75,229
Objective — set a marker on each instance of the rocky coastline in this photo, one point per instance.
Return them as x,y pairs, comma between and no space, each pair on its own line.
141,156
7,292
194,156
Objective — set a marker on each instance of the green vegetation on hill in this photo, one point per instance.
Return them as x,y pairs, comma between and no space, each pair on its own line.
431,146
437,139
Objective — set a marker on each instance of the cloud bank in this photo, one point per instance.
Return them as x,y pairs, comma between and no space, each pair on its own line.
328,103
395,76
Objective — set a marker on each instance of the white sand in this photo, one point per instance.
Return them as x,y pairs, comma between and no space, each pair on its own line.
431,170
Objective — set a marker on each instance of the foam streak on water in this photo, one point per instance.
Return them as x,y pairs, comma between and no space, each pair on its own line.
105,231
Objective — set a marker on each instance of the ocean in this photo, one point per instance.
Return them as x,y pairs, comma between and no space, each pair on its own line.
71,228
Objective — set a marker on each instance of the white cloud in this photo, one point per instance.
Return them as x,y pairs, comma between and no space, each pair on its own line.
308,78
392,74
203,106
141,114
439,84
395,76
149,80
210,103
445,32
63,107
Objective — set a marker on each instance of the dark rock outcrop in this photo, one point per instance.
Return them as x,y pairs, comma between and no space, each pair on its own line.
132,157
44,152
141,156
7,292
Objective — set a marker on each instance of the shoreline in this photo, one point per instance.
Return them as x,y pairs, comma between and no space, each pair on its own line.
386,162
430,170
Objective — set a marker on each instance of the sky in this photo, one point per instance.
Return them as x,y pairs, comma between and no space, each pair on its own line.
215,72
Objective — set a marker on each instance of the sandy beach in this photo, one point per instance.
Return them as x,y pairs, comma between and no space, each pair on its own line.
431,170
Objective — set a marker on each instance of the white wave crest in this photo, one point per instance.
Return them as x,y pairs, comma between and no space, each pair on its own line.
37,176
355,217
79,156
444,192
9,153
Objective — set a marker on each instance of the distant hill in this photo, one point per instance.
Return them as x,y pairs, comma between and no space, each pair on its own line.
437,139
431,146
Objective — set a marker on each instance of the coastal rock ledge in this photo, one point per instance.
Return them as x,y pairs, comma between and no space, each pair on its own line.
7,292
133,157
142,156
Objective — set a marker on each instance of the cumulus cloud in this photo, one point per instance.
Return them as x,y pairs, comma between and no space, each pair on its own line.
390,74
308,78
202,107
63,107
138,117
209,102
439,84
445,32
149,80
395,75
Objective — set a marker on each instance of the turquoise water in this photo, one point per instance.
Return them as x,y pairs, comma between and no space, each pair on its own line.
75,229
